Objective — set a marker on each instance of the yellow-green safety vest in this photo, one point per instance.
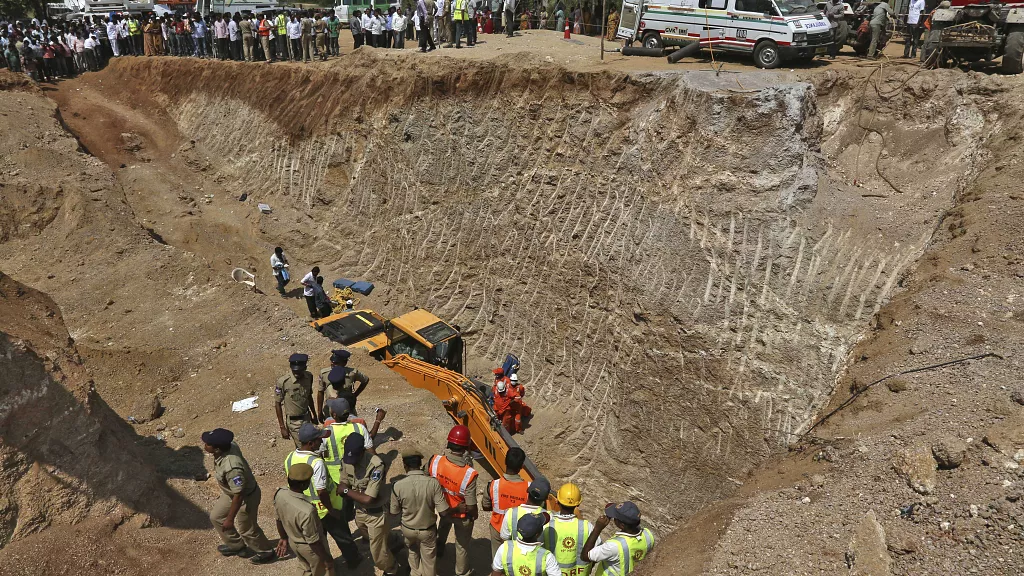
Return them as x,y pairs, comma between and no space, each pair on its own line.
512,517
519,563
282,25
565,539
336,446
310,493
460,10
133,27
632,549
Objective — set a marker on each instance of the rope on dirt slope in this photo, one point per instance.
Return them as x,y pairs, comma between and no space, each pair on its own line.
857,394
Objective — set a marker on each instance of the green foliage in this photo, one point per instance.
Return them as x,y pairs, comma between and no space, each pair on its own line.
23,8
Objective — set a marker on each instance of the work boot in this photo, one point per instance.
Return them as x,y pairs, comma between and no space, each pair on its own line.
264,557
226,550
246,553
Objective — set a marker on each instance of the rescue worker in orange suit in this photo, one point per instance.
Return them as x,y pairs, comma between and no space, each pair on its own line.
454,471
524,411
505,402
505,493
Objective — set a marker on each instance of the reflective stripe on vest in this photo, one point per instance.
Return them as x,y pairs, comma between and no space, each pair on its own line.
516,560
264,27
501,502
310,493
632,549
448,479
512,518
333,458
282,24
566,541
133,27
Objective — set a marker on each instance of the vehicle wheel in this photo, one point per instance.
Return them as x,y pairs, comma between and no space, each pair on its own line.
766,55
1013,57
653,40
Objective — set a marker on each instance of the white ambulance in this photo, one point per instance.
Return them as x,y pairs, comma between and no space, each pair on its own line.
773,31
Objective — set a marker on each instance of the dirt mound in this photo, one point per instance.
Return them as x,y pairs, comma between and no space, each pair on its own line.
56,433
10,81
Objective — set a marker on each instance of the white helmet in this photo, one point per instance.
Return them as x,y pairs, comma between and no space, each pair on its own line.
501,387
514,378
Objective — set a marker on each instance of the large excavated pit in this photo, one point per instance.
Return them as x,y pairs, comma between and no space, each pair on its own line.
683,261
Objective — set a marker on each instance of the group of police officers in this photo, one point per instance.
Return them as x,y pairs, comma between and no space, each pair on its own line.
334,476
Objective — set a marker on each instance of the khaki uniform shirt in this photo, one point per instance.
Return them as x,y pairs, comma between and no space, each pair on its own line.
298,517
307,26
233,473
367,477
349,385
295,395
419,499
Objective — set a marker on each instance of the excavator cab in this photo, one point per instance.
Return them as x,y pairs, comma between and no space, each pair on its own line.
425,337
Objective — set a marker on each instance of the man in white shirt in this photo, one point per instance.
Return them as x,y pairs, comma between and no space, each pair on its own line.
913,32
294,28
524,555
112,37
398,23
631,543
308,291
367,21
279,264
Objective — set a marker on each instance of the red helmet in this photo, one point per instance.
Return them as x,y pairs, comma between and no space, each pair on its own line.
459,436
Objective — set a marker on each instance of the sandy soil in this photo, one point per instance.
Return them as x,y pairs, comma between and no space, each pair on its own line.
129,243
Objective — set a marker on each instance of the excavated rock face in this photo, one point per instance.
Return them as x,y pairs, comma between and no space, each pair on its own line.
64,454
672,256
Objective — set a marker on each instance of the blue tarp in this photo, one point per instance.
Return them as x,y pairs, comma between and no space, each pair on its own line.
362,287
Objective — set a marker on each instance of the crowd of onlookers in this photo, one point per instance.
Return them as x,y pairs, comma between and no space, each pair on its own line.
52,49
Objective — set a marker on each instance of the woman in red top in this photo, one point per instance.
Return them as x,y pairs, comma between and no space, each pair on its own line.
49,68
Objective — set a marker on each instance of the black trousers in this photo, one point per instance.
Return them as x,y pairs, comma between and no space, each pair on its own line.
339,531
357,40
913,40
510,23
296,48
425,38
310,299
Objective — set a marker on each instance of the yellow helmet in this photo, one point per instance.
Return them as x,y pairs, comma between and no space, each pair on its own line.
569,495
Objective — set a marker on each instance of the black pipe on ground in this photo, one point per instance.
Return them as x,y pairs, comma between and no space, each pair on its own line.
631,51
690,49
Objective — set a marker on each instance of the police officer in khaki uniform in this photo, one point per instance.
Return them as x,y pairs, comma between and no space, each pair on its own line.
299,525
418,498
240,502
339,381
294,393
362,481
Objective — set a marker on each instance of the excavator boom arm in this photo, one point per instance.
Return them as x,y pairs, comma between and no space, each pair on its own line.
466,404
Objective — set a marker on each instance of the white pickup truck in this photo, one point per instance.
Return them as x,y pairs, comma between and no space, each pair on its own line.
773,31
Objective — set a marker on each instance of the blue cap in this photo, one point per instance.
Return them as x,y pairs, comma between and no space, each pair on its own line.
309,432
298,358
218,437
531,525
340,356
339,406
355,445
337,375
627,513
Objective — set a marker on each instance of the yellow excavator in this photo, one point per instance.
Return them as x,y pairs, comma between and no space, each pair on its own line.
429,353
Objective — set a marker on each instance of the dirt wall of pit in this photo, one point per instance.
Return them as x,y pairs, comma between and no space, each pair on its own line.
683,261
